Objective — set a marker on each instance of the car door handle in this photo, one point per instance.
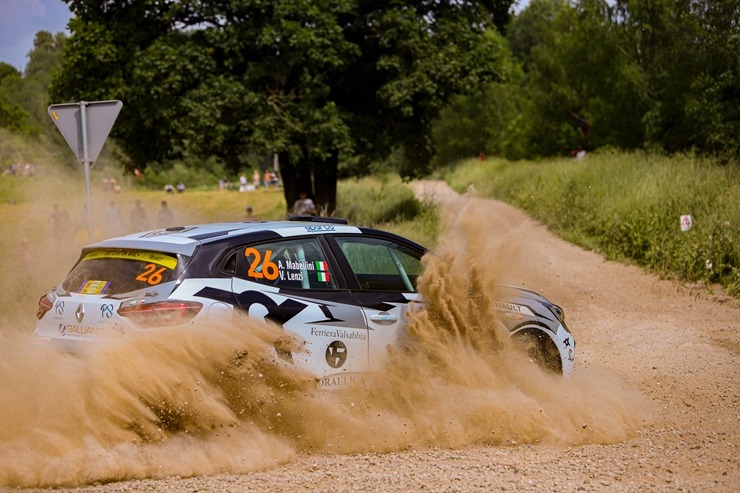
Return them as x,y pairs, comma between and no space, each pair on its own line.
383,318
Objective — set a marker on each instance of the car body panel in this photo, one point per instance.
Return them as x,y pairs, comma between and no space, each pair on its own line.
343,292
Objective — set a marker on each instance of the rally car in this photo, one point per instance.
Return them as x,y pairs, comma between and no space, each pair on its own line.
344,290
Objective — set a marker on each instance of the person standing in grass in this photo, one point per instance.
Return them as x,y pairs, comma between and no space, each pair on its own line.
139,219
165,216
304,206
250,217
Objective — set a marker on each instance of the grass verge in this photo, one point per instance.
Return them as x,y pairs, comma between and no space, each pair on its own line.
628,206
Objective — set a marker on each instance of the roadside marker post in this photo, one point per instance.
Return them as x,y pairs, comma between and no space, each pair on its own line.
85,126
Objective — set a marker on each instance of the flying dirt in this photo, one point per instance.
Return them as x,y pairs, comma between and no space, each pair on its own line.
209,403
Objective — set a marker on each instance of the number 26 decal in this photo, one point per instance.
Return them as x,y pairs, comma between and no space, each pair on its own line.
269,268
151,274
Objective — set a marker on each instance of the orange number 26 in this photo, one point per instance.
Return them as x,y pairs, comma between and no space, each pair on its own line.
151,275
269,268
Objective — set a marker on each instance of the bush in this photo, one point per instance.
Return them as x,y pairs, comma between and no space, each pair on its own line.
385,202
373,201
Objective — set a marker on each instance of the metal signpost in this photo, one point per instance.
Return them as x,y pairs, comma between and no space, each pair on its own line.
85,126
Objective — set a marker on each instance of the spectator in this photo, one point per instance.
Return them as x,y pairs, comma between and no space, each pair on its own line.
256,179
578,153
180,187
59,222
304,206
165,217
114,222
139,219
250,217
267,178
169,188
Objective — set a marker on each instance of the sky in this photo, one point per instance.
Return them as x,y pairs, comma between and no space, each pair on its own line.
20,20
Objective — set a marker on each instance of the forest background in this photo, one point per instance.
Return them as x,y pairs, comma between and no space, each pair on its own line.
340,90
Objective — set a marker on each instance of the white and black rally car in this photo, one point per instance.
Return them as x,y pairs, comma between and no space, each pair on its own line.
342,289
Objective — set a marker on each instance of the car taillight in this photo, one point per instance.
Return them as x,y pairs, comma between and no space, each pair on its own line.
162,313
45,305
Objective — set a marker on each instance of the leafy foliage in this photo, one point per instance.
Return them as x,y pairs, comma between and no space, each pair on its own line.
310,80
640,73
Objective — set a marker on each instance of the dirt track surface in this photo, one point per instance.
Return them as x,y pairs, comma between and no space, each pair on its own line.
676,345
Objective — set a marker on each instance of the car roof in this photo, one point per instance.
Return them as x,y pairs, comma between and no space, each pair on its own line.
185,239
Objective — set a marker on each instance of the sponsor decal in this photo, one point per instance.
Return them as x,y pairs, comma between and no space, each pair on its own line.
316,229
336,354
69,329
150,257
340,381
338,333
59,307
94,287
280,313
507,306
106,310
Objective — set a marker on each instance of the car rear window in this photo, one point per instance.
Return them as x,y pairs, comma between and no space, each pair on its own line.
115,271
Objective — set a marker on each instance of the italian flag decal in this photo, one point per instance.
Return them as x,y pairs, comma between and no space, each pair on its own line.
323,271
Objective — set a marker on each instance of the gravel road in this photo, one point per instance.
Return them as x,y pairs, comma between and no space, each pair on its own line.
653,405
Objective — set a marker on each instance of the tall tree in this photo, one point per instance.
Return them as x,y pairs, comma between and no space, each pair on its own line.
24,97
689,53
314,81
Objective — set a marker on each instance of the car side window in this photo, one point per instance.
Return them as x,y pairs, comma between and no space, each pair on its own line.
291,264
382,265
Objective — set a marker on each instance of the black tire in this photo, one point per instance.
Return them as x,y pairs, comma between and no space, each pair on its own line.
540,349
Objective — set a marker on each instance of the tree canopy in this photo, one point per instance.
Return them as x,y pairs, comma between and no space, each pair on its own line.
658,74
335,88
314,81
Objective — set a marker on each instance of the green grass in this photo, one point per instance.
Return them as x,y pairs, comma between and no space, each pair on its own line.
385,202
628,206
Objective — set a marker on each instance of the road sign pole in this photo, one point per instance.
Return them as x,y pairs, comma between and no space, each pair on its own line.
85,126
86,165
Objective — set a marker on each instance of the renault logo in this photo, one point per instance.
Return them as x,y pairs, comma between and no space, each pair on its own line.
80,313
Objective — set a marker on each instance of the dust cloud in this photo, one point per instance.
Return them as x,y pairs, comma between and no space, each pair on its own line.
213,399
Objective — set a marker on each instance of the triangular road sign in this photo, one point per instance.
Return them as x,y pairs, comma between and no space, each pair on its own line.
99,119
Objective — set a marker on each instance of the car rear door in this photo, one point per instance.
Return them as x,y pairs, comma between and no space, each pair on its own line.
294,283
